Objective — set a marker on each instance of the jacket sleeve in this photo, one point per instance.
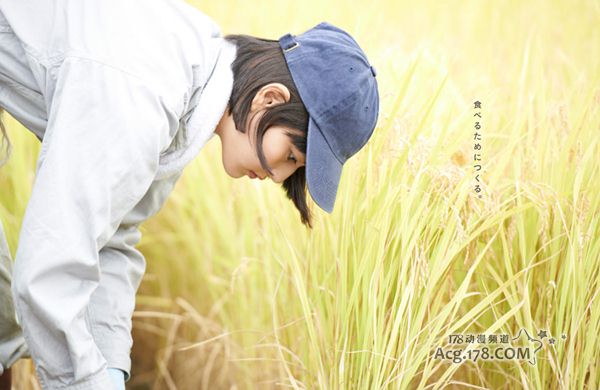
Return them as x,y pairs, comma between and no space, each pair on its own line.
123,266
99,156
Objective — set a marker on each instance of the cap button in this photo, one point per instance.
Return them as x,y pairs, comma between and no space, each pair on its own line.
373,71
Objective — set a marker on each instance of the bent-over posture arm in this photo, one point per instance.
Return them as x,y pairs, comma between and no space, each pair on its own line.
99,156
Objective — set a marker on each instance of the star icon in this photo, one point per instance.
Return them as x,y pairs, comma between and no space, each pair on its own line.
551,341
535,345
542,333
564,336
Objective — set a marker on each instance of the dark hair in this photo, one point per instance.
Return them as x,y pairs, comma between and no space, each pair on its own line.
259,62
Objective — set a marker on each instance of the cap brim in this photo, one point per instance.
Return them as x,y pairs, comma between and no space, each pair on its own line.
323,169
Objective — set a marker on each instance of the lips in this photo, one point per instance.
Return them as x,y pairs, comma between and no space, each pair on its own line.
253,175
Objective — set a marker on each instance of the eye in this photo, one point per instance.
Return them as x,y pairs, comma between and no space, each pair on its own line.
291,157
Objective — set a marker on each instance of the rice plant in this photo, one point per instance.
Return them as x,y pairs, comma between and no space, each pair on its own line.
414,263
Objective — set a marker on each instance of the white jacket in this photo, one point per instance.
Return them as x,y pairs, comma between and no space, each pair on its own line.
123,95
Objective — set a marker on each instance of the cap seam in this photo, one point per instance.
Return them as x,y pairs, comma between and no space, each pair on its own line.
339,105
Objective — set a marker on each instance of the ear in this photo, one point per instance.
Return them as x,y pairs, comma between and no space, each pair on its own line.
270,95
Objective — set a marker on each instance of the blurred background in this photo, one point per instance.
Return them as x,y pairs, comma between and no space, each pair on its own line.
238,294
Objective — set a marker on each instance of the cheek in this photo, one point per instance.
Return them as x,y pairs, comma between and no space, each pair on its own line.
270,150
277,148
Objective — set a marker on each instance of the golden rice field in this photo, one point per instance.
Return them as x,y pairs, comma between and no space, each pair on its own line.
414,263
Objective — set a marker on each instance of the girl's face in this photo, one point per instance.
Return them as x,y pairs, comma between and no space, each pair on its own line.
239,154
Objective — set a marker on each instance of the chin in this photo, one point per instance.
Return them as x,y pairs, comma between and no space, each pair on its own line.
232,172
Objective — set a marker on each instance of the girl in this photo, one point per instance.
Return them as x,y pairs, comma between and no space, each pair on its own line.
123,95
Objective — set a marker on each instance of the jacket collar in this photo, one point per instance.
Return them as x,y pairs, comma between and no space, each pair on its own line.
207,106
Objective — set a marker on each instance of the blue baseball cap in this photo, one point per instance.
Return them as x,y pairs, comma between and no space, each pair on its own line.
338,87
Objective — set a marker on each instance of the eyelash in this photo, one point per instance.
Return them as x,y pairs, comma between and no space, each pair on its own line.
291,157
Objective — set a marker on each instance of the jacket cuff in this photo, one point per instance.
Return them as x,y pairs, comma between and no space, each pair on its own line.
99,381
120,361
